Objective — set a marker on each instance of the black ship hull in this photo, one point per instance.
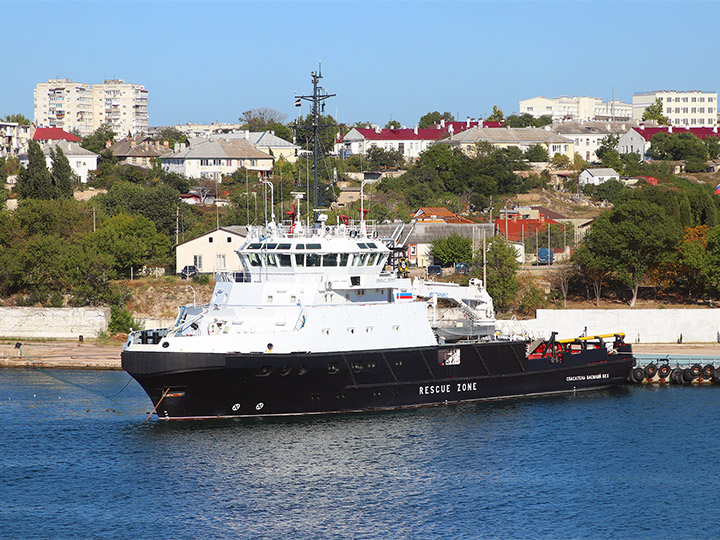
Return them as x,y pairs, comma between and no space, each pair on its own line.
209,385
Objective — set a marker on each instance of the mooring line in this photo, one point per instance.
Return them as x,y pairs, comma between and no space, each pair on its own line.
87,389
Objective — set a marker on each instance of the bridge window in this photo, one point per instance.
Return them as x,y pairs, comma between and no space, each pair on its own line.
284,259
299,259
344,259
313,259
330,259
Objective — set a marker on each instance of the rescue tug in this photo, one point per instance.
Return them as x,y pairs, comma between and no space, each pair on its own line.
319,322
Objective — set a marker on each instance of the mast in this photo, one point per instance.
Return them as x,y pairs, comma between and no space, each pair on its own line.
316,100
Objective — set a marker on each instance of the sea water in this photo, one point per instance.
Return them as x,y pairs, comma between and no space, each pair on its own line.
77,460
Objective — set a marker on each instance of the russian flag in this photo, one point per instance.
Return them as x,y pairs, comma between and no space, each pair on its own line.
717,190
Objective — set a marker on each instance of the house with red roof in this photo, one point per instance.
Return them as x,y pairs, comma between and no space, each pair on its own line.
54,134
409,142
516,229
637,140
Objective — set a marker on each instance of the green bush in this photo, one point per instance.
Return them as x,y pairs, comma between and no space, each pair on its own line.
201,279
122,321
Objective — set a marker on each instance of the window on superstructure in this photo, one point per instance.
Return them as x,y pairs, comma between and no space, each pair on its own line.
372,245
371,259
300,246
299,259
270,246
253,259
330,259
313,246
360,259
344,259
312,259
284,259
270,259
284,246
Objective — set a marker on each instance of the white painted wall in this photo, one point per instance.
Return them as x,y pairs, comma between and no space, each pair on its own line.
60,323
639,325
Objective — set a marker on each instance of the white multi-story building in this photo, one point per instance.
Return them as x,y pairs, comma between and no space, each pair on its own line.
687,109
576,108
588,136
78,106
65,104
14,138
409,142
123,106
215,158
81,161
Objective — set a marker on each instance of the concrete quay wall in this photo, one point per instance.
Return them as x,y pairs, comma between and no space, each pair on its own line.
639,325
58,323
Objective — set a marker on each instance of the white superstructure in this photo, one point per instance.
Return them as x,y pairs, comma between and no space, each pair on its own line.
320,288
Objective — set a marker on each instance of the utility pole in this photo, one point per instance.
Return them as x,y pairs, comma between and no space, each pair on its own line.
316,100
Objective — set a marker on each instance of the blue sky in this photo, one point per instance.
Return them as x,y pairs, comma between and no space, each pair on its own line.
210,61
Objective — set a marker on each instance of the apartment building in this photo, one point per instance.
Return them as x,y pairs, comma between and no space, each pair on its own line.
690,109
64,104
576,108
14,138
83,107
123,106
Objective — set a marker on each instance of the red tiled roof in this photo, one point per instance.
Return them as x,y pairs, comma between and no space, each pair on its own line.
403,134
54,134
462,126
517,227
701,133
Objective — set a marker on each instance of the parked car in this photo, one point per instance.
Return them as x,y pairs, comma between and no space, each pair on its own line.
188,271
462,268
434,270
545,256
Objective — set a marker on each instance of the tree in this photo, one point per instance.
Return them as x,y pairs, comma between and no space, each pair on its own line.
379,158
451,249
635,237
502,265
655,112
18,118
607,144
560,161
713,146
432,118
172,135
35,182
158,204
98,139
63,177
259,119
537,153
133,241
392,124
267,119
496,116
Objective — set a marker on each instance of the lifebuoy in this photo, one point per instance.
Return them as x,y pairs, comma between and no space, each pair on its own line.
353,234
650,371
375,234
708,371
